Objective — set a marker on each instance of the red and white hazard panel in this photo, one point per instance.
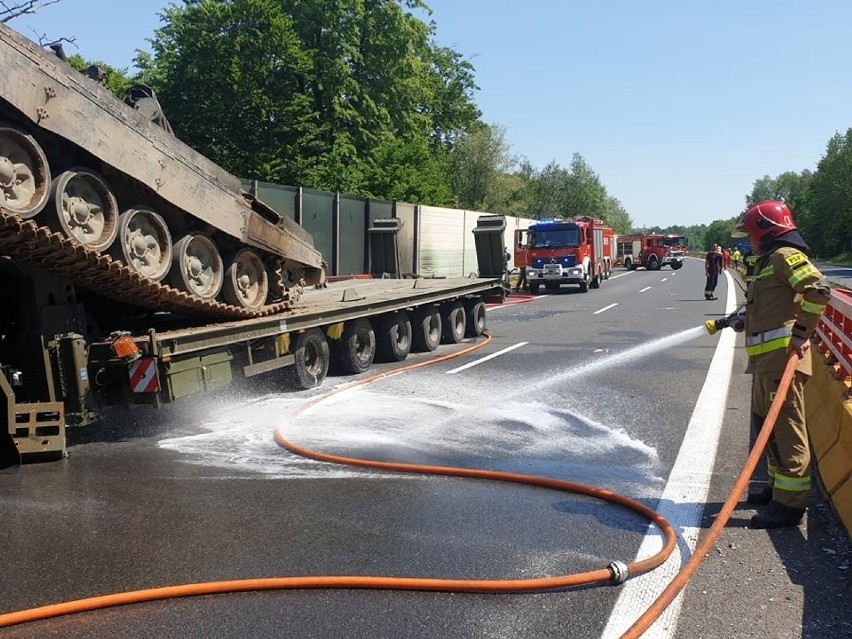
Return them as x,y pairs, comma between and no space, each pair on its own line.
143,376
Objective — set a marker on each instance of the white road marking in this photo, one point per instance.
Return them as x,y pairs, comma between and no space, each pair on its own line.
682,501
647,288
605,308
664,279
486,358
622,274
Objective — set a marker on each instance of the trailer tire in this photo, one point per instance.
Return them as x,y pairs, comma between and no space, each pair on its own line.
393,341
312,359
428,329
454,320
476,323
355,351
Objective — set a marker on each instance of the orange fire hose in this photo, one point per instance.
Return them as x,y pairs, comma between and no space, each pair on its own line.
680,579
616,572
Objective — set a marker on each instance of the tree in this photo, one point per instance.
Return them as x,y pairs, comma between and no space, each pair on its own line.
829,219
321,94
10,11
719,232
479,162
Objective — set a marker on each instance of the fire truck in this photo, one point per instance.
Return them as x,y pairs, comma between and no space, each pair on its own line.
577,250
653,251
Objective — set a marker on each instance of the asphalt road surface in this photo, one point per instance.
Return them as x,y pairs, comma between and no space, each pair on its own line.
618,388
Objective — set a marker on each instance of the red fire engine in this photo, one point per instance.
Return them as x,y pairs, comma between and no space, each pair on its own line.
652,251
576,250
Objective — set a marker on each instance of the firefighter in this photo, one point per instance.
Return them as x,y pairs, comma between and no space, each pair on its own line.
712,268
783,305
750,262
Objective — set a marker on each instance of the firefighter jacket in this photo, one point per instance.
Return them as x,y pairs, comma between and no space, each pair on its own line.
786,298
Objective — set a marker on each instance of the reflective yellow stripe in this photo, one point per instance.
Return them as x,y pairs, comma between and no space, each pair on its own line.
766,347
792,484
800,274
768,336
765,272
810,307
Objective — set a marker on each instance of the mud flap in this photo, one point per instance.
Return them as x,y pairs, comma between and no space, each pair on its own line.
10,459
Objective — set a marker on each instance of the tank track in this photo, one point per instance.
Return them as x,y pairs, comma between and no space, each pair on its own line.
27,241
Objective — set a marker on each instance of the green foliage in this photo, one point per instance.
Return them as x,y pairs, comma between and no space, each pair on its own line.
719,232
117,80
339,95
477,164
829,215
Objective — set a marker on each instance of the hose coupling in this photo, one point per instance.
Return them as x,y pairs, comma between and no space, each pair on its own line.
619,571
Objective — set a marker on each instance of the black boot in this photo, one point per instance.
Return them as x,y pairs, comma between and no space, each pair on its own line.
760,496
777,515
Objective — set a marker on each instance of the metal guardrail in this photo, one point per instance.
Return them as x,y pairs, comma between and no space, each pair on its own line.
835,334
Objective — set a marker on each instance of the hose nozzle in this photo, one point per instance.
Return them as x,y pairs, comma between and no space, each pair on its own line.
716,325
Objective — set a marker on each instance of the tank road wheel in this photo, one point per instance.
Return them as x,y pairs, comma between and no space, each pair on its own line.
427,329
312,359
84,208
197,266
246,281
454,319
144,243
476,323
354,352
393,341
24,173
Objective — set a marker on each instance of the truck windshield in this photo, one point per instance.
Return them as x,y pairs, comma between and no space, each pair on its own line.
554,238
677,241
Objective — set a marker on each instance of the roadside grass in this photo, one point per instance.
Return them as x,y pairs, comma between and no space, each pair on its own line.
843,258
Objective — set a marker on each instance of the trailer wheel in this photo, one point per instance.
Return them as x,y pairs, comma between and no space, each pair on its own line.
355,351
312,359
393,341
454,320
427,329
476,323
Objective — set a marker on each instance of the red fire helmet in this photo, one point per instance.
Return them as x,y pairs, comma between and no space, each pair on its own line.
766,221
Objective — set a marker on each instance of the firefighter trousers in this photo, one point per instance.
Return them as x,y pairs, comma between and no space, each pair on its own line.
788,452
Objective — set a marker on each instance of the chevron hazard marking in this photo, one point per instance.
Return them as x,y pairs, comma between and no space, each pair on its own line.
143,376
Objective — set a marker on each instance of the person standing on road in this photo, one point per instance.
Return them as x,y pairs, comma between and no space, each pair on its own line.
736,257
783,305
712,268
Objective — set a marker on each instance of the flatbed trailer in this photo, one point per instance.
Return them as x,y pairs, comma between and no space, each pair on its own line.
69,356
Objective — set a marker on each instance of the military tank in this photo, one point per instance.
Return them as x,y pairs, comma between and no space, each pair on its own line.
99,191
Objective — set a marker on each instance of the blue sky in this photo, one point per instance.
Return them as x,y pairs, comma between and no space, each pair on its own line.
678,105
